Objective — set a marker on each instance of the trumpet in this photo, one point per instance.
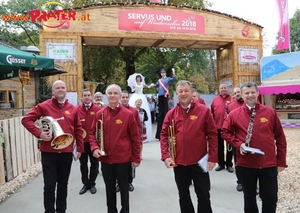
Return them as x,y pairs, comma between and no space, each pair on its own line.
50,125
99,135
83,130
172,143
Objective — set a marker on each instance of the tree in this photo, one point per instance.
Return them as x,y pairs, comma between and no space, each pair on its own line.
45,91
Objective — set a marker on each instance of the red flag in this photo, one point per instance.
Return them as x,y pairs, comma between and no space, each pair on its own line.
284,27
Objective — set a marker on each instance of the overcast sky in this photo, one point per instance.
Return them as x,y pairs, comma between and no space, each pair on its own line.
261,12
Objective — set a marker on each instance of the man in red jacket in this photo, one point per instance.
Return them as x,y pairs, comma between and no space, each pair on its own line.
197,98
87,111
56,161
219,109
238,102
264,133
125,103
195,135
121,143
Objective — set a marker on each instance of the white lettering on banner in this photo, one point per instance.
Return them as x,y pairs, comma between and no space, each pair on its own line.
11,60
163,20
153,21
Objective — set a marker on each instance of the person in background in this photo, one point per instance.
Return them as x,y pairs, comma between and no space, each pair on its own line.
56,162
219,109
156,111
121,144
258,126
124,102
195,134
143,118
197,98
163,95
87,111
98,97
171,103
138,93
238,102
152,109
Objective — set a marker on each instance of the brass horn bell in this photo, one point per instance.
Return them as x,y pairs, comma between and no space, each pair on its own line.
61,140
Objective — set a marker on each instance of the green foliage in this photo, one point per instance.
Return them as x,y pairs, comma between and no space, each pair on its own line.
103,65
45,91
19,33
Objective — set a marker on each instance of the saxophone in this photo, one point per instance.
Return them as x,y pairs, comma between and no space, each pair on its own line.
99,135
172,143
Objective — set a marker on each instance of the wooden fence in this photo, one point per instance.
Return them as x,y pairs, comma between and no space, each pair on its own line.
19,152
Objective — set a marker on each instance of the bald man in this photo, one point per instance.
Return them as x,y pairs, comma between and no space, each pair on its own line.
219,109
56,158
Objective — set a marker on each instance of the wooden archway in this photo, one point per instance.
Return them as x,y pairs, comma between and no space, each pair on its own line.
238,42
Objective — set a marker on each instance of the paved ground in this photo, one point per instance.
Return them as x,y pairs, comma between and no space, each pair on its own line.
155,191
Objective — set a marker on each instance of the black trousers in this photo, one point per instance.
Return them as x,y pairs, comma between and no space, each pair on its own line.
152,116
88,180
221,162
111,174
237,171
163,108
268,188
56,172
183,177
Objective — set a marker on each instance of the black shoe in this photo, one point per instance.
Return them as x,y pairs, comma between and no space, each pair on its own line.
219,168
83,190
239,187
93,189
131,187
230,169
117,188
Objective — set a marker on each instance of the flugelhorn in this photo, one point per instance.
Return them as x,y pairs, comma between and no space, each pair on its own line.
50,125
83,130
172,143
99,135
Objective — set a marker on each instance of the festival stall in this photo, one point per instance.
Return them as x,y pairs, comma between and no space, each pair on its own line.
280,77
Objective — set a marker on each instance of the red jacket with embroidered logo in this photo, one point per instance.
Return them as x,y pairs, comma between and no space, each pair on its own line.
218,109
195,132
267,135
88,117
70,124
121,135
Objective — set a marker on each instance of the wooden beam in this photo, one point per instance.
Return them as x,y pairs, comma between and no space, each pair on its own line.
248,73
80,67
158,42
120,42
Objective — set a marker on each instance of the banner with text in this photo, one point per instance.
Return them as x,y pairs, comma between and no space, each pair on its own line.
284,27
161,21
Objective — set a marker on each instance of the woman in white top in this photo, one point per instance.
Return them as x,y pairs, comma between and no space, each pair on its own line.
138,93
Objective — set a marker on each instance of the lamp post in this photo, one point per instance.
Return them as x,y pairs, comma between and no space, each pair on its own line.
30,49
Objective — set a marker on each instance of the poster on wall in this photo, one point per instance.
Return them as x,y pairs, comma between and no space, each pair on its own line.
61,52
72,98
248,56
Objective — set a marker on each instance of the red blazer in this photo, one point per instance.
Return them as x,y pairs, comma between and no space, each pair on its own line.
218,109
88,117
71,123
267,135
195,132
121,135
